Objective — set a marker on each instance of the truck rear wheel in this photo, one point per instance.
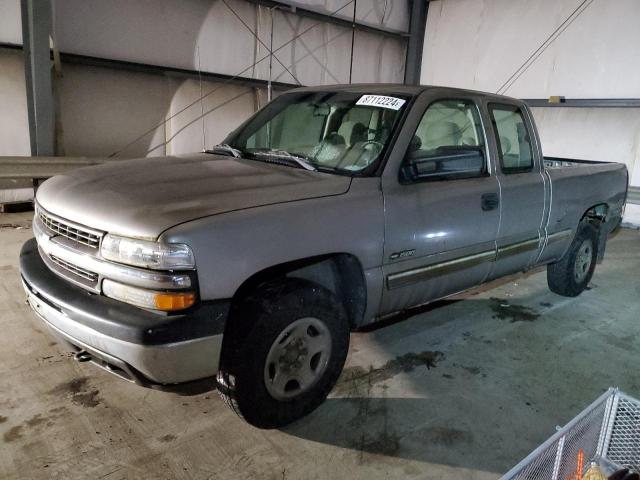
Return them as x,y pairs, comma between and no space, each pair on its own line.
571,275
285,352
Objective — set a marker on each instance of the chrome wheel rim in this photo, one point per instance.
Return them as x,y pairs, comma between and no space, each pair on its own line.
297,358
583,261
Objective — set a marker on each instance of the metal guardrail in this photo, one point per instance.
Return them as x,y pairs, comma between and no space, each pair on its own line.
38,168
633,195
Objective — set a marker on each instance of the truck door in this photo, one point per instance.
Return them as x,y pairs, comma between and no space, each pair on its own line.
522,189
441,204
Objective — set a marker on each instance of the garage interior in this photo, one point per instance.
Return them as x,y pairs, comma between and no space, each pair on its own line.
462,388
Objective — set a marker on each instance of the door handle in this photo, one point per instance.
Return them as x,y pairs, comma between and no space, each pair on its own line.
490,201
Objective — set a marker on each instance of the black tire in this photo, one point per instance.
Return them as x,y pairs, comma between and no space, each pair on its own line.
261,319
562,276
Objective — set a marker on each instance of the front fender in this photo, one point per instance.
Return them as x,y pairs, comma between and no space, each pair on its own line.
229,248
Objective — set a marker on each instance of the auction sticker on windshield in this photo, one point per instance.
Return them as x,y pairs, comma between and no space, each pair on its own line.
381,101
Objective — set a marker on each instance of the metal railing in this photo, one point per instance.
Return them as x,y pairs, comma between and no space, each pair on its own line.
607,431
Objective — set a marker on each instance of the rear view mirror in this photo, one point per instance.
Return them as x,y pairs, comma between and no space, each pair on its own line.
444,163
321,110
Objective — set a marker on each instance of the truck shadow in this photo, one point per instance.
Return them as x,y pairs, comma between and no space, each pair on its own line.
452,392
447,413
392,429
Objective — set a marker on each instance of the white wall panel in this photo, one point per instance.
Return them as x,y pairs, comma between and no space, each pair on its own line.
103,110
205,34
392,14
14,132
228,107
158,32
313,57
10,22
378,59
478,44
608,134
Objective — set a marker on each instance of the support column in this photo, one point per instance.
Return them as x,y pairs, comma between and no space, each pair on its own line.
36,29
417,28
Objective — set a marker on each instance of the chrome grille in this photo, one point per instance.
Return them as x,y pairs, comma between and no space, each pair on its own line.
69,231
86,274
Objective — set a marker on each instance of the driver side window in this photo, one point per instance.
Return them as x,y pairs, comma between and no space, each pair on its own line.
448,123
447,144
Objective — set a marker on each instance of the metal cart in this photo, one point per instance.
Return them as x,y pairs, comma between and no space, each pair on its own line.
607,431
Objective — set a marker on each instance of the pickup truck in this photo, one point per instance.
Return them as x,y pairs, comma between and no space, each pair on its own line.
329,209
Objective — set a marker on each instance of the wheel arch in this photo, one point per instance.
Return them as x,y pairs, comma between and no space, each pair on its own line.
340,273
598,216
596,212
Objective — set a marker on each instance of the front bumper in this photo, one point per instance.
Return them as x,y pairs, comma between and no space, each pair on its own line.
141,346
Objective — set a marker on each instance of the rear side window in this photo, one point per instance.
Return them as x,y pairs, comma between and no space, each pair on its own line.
514,143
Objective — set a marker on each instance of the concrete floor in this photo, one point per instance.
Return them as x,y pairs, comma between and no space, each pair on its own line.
464,389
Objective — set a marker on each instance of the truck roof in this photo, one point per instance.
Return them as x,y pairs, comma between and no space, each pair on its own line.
397,89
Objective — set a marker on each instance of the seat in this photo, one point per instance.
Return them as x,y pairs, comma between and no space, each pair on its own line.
441,134
524,146
359,133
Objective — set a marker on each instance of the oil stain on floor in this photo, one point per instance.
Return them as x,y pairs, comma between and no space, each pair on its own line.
14,433
503,310
37,422
79,391
352,377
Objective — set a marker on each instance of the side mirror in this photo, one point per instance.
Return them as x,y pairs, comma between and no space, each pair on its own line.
444,163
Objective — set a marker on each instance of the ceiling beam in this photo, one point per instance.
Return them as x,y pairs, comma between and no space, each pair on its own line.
324,16
75,59
585,102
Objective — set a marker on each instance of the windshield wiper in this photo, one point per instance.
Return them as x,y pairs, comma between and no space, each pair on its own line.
282,154
225,149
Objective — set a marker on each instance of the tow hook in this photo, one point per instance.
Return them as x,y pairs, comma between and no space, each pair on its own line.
82,356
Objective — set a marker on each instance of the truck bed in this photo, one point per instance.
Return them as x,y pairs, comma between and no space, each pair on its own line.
578,185
559,162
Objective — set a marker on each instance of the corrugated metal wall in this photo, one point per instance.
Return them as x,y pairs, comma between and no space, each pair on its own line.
102,109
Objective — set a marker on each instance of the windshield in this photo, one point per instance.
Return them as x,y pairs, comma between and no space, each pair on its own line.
335,131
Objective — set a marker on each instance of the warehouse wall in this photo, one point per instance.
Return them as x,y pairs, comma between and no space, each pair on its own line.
479,44
103,109
205,34
14,134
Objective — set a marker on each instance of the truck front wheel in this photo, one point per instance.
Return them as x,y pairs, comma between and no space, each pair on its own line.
285,352
571,275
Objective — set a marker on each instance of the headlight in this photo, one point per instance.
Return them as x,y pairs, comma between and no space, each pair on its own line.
142,253
166,301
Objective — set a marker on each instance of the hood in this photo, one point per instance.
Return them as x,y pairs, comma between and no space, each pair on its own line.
142,198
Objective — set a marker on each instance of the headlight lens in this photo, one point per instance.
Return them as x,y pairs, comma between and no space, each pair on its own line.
166,301
143,253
